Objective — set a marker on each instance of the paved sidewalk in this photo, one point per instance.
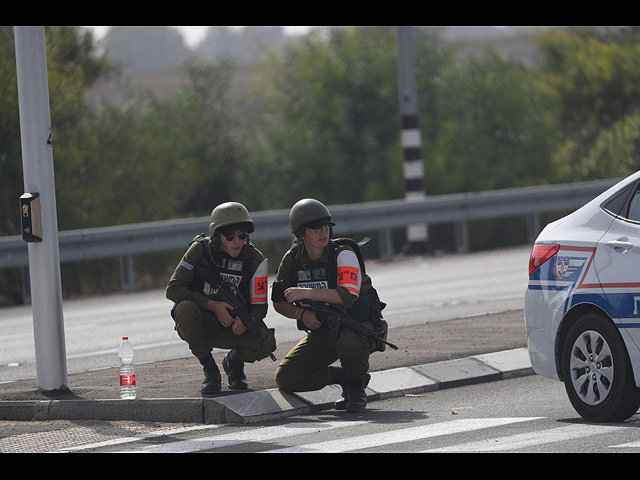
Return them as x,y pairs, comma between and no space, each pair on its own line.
431,356
272,403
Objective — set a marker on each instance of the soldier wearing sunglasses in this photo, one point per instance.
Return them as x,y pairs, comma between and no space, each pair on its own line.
205,323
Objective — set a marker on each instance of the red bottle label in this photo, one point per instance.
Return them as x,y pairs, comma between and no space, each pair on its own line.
127,380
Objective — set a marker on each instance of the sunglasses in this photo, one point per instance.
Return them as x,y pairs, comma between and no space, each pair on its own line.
323,228
231,236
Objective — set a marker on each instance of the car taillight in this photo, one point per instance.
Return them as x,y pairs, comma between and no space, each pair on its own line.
540,254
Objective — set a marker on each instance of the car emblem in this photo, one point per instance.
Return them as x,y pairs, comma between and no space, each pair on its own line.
567,266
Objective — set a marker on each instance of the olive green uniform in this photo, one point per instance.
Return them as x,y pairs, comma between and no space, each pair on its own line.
200,327
306,366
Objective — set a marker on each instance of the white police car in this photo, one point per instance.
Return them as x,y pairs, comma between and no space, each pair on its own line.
582,304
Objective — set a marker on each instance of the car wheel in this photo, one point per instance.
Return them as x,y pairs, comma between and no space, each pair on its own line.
597,374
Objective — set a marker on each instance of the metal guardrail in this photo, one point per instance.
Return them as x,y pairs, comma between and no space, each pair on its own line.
383,216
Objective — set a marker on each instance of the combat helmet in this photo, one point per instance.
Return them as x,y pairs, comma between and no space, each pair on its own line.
308,212
230,213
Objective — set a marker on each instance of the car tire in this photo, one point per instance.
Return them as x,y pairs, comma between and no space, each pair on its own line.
597,373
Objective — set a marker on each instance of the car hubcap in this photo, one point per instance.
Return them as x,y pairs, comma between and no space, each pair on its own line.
591,367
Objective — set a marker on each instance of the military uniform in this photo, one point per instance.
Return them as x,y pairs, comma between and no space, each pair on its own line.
307,366
200,327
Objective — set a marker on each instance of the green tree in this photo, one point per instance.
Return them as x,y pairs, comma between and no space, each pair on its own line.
594,76
149,159
73,66
495,129
11,180
206,125
615,153
329,121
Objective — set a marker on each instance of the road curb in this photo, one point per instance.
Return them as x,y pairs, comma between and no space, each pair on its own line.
264,405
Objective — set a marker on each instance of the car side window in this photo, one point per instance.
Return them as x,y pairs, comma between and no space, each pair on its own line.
615,204
634,207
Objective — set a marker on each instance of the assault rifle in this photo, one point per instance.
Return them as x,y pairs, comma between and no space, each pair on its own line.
228,293
334,317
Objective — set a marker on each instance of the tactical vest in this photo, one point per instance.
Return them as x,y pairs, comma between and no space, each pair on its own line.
236,271
322,277
368,307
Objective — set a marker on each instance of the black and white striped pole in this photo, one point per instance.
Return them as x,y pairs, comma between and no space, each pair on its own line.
417,234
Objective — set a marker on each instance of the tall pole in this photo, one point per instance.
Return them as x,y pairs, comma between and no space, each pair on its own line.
417,235
37,164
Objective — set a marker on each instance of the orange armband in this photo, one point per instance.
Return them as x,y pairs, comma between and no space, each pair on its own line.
348,278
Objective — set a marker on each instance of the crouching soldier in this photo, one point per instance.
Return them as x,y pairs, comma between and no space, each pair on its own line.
220,293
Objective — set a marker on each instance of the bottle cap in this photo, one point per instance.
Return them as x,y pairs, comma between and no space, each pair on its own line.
125,338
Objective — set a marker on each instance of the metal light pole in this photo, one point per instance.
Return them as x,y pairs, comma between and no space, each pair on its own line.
417,235
38,208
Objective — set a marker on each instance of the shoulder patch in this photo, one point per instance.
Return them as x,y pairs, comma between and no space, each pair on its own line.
186,265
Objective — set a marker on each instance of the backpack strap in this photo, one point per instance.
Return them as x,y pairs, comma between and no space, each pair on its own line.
354,245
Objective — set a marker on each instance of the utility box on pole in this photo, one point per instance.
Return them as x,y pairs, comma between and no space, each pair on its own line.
38,208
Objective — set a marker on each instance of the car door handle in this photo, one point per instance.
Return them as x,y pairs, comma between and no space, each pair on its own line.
615,244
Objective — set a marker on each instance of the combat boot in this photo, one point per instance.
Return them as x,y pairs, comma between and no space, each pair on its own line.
212,380
339,377
234,369
356,396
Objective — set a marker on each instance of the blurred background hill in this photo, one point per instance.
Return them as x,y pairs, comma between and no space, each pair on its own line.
152,57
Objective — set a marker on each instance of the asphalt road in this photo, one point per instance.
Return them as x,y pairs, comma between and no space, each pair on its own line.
418,291
519,415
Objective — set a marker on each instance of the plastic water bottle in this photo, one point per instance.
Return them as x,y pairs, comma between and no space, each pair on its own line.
127,371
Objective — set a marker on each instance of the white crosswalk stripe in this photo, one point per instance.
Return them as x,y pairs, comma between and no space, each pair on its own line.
245,436
627,445
132,439
529,439
262,438
401,435
346,444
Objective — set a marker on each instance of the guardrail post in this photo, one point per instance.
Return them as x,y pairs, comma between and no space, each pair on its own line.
533,227
127,275
461,231
25,290
385,245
